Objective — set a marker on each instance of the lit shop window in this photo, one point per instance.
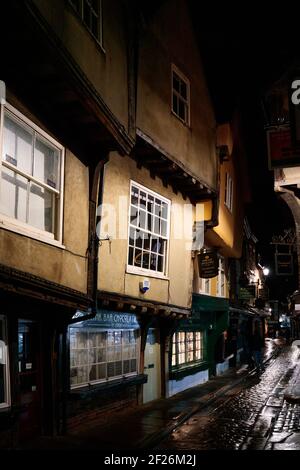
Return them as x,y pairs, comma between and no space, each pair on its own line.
31,176
4,373
187,347
98,356
148,231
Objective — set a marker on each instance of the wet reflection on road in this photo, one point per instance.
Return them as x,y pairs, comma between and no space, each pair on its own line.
253,410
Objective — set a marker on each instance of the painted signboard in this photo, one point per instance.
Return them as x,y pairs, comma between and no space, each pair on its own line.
208,262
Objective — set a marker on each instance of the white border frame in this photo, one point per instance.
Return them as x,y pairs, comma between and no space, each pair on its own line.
15,225
141,271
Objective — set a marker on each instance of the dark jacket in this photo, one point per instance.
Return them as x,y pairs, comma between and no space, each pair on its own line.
257,342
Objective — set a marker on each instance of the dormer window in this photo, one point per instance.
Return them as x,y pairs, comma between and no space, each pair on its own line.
90,13
180,96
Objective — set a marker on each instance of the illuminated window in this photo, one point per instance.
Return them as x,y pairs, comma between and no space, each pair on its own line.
187,347
180,96
97,356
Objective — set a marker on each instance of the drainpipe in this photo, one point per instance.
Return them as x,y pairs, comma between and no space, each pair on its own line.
96,191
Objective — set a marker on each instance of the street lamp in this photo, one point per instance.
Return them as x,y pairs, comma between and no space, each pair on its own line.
266,271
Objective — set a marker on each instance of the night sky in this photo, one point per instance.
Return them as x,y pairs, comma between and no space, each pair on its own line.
244,52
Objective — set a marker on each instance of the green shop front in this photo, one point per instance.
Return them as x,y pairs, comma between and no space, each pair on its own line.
197,349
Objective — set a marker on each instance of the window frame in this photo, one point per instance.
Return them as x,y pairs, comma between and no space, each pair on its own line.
187,101
136,269
221,272
15,225
106,379
177,353
202,286
228,196
7,402
80,15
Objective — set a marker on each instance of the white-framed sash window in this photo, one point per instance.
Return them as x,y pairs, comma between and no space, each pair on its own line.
31,183
4,365
149,227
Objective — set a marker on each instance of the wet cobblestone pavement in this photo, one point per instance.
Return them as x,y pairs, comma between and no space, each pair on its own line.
252,416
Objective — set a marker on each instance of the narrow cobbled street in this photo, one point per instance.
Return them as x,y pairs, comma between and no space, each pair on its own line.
254,416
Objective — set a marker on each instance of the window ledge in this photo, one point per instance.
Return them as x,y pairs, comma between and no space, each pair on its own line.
103,387
27,232
145,273
188,370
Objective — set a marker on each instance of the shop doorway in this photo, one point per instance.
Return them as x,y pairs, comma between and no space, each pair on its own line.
29,379
152,389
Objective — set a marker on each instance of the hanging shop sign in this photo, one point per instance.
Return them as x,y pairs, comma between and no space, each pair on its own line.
284,264
208,262
247,293
281,151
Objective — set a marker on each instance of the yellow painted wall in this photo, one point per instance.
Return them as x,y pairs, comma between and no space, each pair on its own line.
227,235
167,39
113,256
106,69
63,266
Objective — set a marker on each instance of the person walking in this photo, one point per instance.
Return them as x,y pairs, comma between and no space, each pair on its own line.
257,345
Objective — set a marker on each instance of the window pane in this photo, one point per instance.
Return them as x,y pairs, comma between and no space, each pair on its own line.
46,163
17,145
142,219
146,259
164,210
163,228
143,199
138,258
175,104
95,26
133,215
86,14
181,110
41,208
176,82
183,90
134,196
160,264
13,198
